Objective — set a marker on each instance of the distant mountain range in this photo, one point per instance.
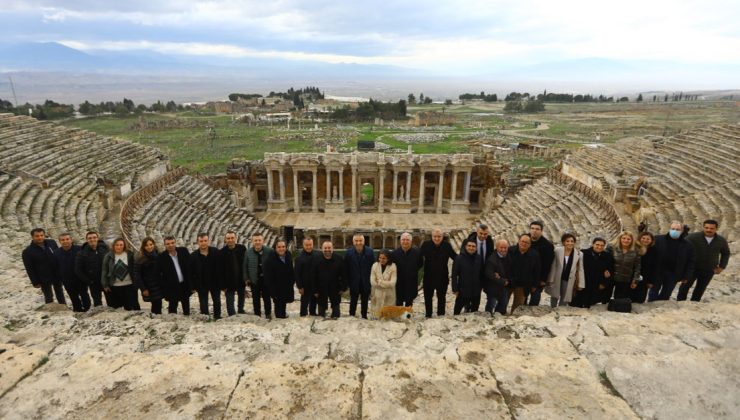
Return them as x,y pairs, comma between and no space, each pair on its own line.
52,70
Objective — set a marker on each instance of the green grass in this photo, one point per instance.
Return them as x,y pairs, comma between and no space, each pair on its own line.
575,123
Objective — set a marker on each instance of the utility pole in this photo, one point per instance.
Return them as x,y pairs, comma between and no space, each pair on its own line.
12,88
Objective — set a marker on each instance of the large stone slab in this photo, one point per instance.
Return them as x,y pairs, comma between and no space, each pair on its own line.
424,389
97,385
545,378
323,390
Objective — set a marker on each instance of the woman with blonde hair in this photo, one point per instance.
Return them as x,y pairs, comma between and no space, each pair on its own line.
626,264
383,283
117,277
566,276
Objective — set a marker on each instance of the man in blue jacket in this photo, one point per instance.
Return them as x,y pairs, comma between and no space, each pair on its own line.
358,261
41,266
76,288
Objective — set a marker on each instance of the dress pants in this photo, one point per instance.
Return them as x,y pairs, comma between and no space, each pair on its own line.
364,295
702,279
182,297
261,296
203,301
334,299
51,289
308,302
429,291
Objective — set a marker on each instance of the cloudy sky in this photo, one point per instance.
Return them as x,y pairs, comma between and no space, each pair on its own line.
453,36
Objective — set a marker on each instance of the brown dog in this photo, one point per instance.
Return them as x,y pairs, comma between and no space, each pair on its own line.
395,312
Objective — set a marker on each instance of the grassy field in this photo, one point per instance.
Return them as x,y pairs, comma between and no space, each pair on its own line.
568,124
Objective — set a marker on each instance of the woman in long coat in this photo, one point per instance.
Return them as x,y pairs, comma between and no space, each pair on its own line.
383,283
566,277
280,278
147,276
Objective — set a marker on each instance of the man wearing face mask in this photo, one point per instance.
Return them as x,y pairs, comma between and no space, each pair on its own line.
675,262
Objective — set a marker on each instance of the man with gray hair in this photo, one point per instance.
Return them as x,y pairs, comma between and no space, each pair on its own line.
408,262
437,253
358,261
497,272
674,262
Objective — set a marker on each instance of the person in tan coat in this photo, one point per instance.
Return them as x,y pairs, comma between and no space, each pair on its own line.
383,282
566,272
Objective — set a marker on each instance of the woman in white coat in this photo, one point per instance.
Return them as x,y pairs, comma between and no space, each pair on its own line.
383,282
566,273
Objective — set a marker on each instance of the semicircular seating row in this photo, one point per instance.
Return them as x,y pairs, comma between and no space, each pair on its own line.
49,174
561,203
184,206
691,176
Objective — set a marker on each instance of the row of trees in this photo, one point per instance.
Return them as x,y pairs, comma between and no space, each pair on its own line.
482,96
51,110
368,111
422,99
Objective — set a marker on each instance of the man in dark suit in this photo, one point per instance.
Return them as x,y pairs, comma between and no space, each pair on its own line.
173,263
437,253
41,266
483,242
231,263
358,261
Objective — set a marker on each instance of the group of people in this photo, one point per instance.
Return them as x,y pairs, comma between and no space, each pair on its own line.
644,267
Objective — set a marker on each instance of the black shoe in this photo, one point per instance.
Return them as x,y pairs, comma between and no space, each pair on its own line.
242,311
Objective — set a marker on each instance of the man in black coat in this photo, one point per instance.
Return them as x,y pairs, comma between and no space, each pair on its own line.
525,270
436,253
546,252
279,278
304,271
408,261
89,265
173,263
712,255
203,270
328,280
76,288
358,260
674,262
598,266
231,262
466,278
41,266
496,275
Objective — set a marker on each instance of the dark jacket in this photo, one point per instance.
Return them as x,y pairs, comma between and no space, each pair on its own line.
107,277
204,270
489,245
436,262
40,263
525,268
89,263
626,266
546,251
304,270
709,256
496,265
466,274
148,276
279,277
170,282
594,266
66,265
357,268
250,268
679,251
231,265
328,276
408,264
647,265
